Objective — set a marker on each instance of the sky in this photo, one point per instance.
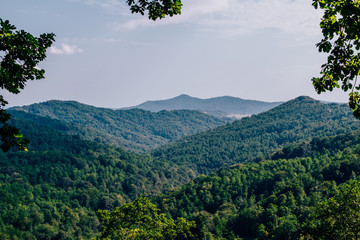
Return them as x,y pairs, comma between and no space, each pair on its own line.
107,57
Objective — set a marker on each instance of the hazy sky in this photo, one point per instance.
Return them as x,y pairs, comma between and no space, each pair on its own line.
105,56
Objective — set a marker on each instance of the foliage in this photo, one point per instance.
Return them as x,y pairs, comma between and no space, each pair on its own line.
20,53
155,8
339,216
340,28
140,220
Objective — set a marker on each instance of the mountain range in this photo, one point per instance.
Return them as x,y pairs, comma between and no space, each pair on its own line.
219,106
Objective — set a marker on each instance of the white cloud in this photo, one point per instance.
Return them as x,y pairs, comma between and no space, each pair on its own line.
292,16
65,49
110,6
227,17
236,17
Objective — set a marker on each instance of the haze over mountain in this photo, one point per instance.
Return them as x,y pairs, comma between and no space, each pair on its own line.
135,129
219,106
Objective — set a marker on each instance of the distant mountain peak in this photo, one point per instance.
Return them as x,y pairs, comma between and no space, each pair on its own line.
225,106
305,98
184,96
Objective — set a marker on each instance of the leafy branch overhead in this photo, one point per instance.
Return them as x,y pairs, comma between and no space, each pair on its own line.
340,26
20,53
155,8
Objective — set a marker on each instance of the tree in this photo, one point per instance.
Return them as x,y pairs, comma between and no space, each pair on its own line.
20,53
155,8
338,217
140,220
340,26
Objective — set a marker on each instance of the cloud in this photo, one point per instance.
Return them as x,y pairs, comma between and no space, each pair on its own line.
241,17
65,49
237,17
226,17
111,6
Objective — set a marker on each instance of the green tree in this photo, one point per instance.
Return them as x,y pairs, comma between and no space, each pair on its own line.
20,53
155,8
339,216
140,220
340,26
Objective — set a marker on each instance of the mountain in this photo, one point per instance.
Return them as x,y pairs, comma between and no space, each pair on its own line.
253,138
134,129
269,199
219,106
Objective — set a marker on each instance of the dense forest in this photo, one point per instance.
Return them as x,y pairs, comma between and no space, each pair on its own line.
282,163
134,129
53,190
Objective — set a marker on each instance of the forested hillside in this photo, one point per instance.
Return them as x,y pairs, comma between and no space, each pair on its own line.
53,191
269,199
257,136
219,106
137,130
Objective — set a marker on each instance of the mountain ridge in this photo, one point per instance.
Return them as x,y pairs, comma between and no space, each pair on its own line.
135,129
